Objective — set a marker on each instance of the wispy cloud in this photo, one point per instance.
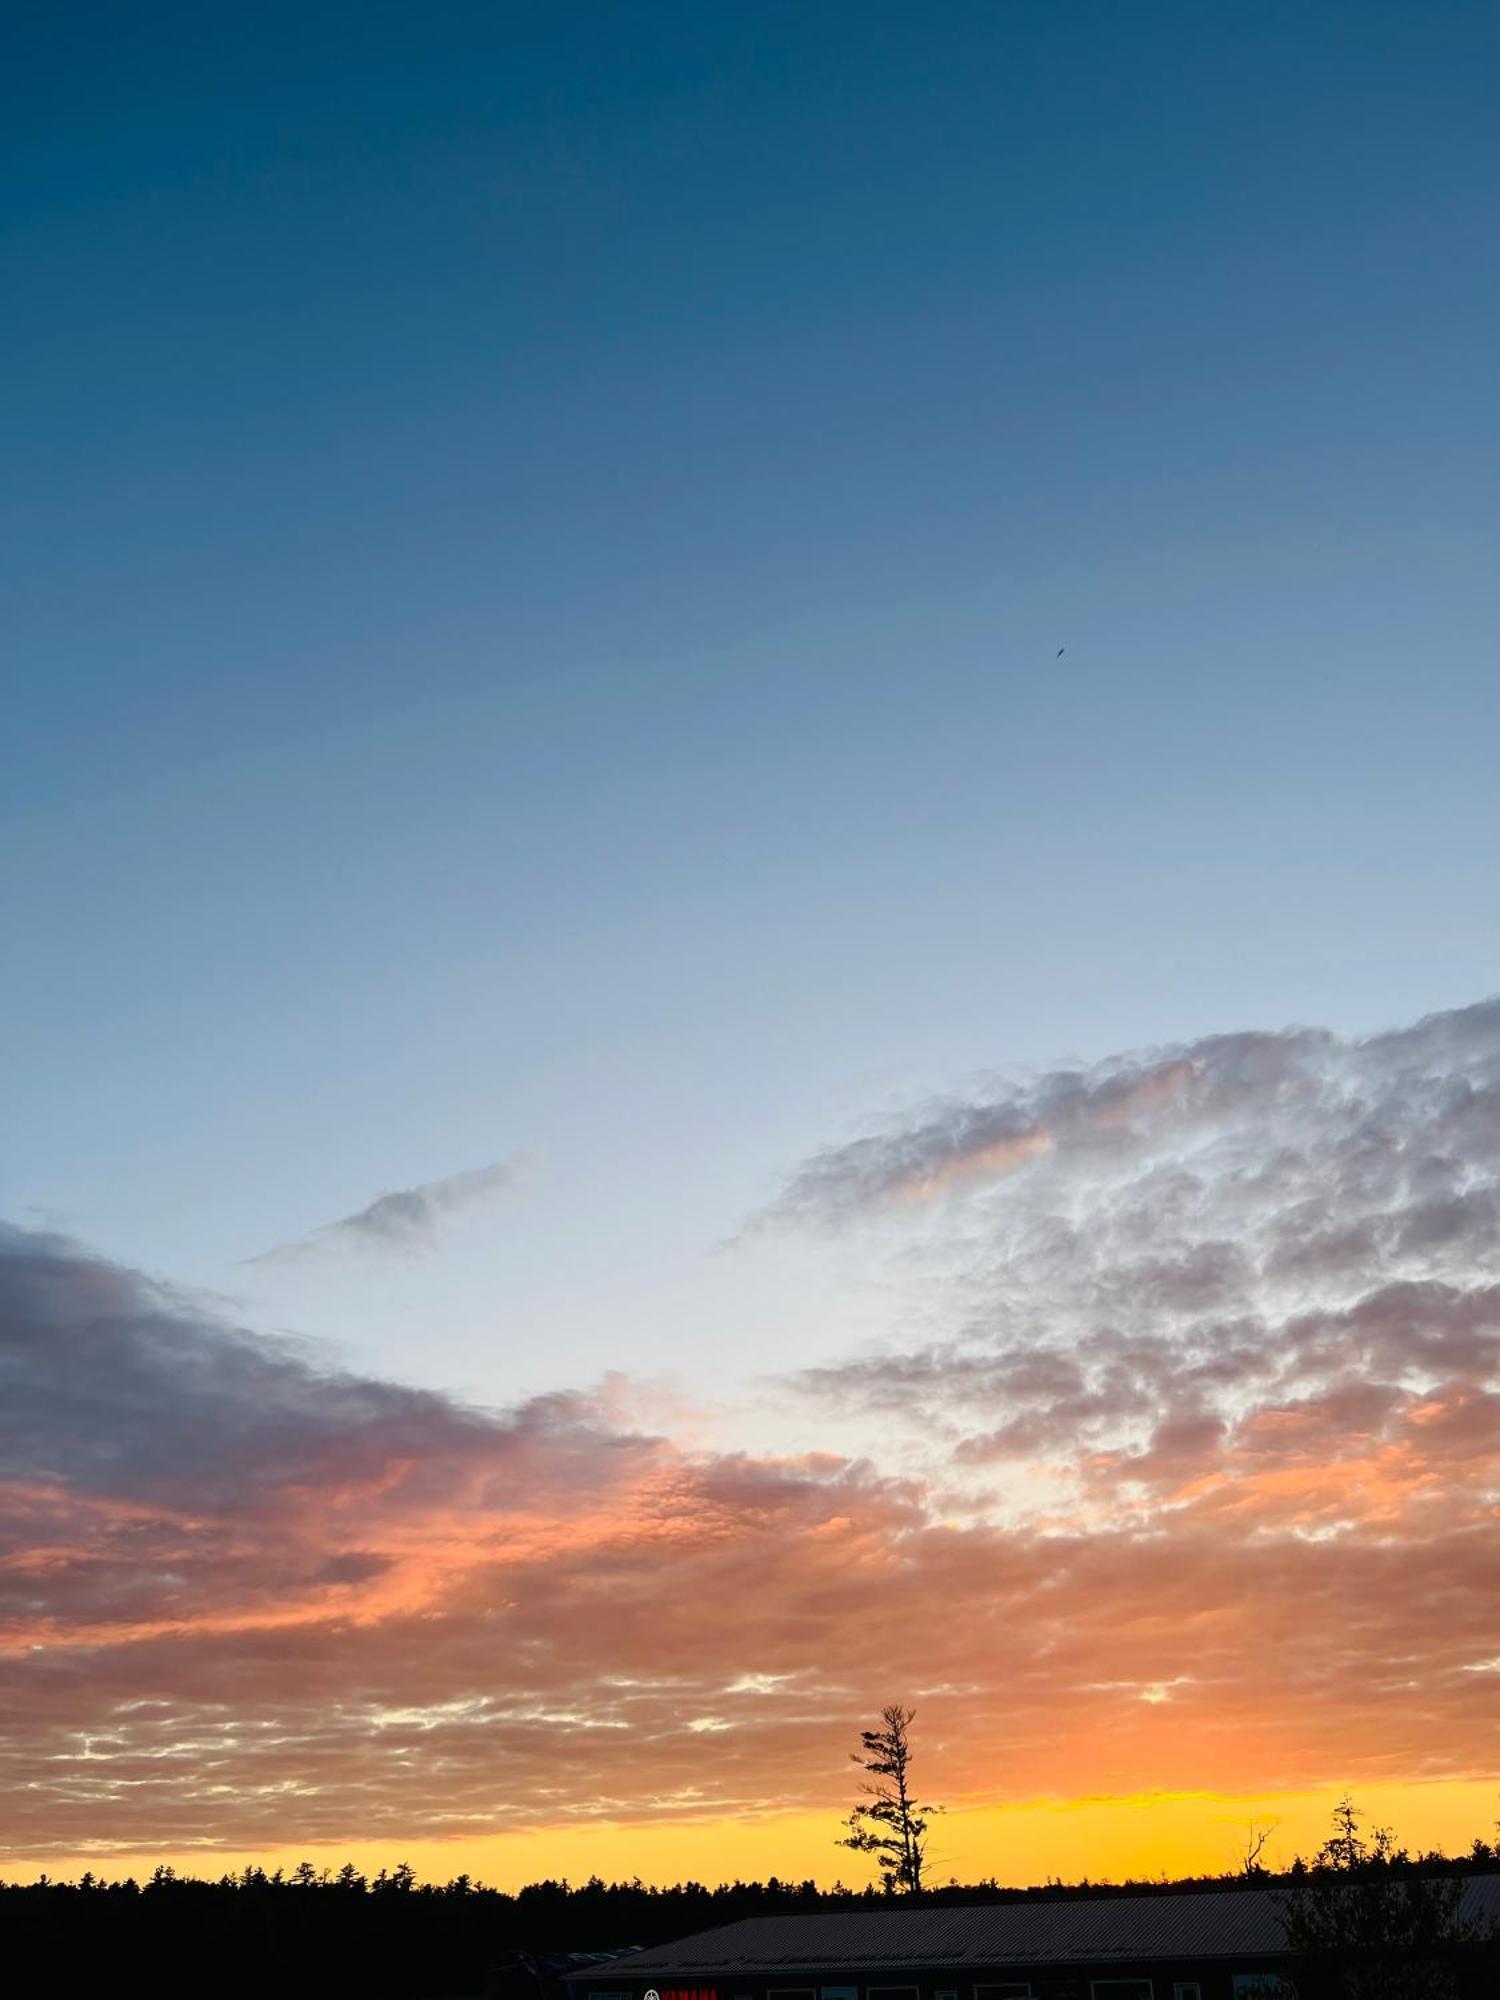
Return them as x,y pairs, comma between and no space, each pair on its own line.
408,1219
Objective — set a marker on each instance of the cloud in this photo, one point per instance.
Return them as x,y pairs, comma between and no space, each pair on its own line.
1289,1102
410,1219
245,1601
1255,1283
1209,1403
954,1143
1211,1229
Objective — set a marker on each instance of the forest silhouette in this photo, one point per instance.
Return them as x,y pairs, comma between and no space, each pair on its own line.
390,1937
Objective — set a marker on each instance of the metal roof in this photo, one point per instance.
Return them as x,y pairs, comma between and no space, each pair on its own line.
1186,1924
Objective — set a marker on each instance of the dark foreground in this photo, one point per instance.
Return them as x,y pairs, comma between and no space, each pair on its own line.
283,1937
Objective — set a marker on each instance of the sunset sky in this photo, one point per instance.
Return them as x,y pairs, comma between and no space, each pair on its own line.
750,856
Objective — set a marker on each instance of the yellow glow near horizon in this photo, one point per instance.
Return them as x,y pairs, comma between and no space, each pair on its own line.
1146,1836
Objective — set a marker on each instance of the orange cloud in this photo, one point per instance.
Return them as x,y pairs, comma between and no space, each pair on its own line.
1229,1360
998,1156
519,1621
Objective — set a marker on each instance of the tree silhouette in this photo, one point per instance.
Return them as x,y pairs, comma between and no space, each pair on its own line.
890,1824
1369,1925
1255,1836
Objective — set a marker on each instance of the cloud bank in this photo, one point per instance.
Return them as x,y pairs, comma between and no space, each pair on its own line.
1212,1497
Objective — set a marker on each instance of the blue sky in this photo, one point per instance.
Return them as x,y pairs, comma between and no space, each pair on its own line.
535,548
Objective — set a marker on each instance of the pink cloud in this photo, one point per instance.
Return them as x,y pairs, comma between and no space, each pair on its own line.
369,1611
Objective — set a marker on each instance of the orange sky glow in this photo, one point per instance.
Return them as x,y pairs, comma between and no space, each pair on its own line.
1199,1526
1139,1837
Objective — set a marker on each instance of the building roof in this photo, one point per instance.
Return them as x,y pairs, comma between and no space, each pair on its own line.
1183,1924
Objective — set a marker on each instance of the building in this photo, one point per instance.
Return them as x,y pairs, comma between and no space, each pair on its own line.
1213,1944
544,1975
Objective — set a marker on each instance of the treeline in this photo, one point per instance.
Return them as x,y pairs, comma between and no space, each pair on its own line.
389,1937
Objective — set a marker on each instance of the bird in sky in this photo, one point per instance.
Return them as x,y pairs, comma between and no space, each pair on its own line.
1060,651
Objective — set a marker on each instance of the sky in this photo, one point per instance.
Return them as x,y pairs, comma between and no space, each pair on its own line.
748,840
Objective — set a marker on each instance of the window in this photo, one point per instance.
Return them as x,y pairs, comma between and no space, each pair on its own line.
946,1993
1187,1989
1121,1989
1013,1989
891,1992
840,1993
